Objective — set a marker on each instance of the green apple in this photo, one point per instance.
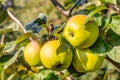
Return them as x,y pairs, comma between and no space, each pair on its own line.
53,60
85,61
32,52
79,35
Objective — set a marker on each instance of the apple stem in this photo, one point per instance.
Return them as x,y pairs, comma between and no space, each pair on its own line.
68,12
18,22
113,62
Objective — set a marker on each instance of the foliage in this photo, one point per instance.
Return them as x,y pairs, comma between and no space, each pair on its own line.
44,22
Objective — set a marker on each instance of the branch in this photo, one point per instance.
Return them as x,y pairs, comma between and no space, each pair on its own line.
74,5
2,39
113,62
68,12
18,22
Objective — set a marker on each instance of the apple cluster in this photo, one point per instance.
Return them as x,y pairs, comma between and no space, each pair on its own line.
80,36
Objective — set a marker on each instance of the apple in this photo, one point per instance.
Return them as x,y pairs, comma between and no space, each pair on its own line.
32,52
53,60
86,61
79,35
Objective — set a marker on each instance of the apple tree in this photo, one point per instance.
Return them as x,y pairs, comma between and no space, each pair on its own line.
59,40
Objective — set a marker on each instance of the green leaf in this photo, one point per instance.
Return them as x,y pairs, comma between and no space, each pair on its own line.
115,24
106,76
98,19
58,29
109,1
99,47
9,46
3,15
1,49
3,31
64,45
24,37
37,24
91,14
11,77
83,11
114,41
114,54
1,72
14,26
12,60
5,58
44,75
48,75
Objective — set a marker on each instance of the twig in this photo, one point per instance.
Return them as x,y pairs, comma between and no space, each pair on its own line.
2,40
68,12
18,22
113,62
74,5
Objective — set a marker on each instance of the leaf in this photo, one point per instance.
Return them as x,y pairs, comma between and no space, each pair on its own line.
5,58
1,49
58,29
9,46
24,37
1,72
48,75
4,31
14,26
99,47
113,40
37,24
91,14
11,77
64,45
109,1
114,54
106,76
12,60
98,19
44,75
3,15
115,24
83,11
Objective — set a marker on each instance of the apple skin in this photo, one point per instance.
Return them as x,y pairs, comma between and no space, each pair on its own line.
32,52
79,35
85,61
51,60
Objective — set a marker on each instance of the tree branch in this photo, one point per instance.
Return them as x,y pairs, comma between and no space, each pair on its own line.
68,12
2,39
18,22
74,5
113,62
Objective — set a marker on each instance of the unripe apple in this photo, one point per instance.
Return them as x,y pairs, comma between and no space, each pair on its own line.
32,52
79,35
53,60
86,61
